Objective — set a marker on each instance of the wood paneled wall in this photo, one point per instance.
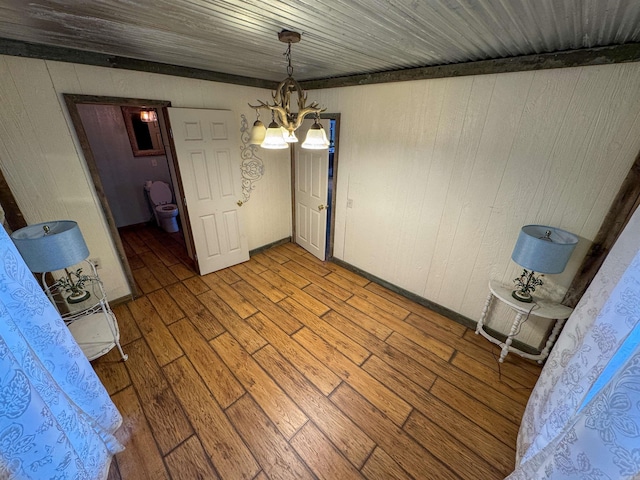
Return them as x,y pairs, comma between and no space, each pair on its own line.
123,175
44,165
443,173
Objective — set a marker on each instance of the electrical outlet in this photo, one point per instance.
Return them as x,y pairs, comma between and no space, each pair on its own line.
350,203
97,262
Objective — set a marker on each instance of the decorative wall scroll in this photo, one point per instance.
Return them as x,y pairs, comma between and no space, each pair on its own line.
251,167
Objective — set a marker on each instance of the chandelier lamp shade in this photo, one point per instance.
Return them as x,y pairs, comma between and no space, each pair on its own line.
258,131
540,249
273,137
51,246
284,122
316,137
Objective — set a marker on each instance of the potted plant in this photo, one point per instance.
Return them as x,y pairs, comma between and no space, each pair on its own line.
73,285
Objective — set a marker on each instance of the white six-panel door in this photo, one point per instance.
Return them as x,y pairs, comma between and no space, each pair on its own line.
207,146
311,189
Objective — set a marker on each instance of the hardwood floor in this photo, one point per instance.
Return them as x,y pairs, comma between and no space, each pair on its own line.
288,367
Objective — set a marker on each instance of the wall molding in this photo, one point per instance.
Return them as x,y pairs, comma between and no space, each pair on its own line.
18,48
622,209
13,215
625,53
571,58
261,249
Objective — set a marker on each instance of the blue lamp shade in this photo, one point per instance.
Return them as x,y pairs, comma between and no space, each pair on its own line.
544,249
50,246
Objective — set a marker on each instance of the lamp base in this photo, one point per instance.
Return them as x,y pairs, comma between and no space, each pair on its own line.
524,297
77,297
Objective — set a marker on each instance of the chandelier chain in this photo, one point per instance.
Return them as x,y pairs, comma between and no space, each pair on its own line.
288,57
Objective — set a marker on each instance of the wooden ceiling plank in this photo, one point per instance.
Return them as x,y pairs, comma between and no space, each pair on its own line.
341,37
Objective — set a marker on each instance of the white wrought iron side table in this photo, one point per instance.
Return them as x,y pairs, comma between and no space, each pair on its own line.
91,322
539,307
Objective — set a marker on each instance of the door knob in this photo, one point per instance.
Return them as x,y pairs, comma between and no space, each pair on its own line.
239,202
322,207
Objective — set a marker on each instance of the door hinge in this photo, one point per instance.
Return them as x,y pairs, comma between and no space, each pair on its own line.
171,132
184,201
195,257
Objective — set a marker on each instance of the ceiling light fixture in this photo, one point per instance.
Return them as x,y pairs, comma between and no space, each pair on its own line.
285,122
148,116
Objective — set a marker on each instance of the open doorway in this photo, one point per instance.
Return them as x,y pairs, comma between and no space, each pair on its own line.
314,177
123,156
332,173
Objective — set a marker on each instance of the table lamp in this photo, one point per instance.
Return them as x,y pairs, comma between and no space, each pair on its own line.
540,249
57,245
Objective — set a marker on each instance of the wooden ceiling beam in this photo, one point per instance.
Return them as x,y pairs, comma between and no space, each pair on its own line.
572,58
19,48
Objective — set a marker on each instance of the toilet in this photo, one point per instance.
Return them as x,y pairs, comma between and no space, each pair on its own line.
165,212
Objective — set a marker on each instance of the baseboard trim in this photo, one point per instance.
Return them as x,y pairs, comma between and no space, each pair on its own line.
121,300
269,245
444,311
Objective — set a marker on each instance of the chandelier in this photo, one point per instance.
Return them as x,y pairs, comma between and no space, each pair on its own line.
284,122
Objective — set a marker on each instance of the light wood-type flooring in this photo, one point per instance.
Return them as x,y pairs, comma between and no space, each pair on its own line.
285,367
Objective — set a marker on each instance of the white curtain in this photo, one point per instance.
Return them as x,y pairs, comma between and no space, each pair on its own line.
583,417
56,418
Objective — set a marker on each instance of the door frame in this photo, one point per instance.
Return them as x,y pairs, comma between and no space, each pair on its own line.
332,219
72,101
